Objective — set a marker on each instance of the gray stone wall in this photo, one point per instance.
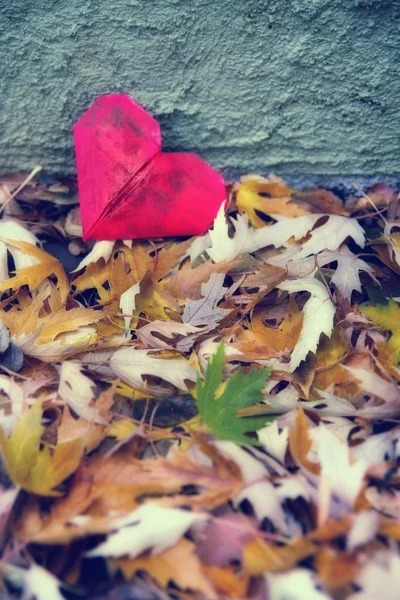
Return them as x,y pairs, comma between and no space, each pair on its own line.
297,86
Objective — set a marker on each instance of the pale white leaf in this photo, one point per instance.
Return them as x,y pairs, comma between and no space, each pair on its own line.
340,473
393,249
318,313
100,250
198,246
222,246
375,385
327,236
210,346
205,311
293,585
265,502
127,304
363,529
347,273
250,468
131,364
149,527
331,405
379,578
41,585
12,230
274,440
77,391
64,345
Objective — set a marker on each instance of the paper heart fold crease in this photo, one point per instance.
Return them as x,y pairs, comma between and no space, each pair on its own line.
128,187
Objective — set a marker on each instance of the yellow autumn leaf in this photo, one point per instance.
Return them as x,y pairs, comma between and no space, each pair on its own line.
34,275
179,564
387,317
279,338
269,197
21,448
329,370
52,468
260,556
35,470
120,429
300,443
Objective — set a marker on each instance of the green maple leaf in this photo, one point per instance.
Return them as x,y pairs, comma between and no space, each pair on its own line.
219,413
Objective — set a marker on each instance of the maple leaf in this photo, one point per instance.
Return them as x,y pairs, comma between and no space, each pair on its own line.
219,411
346,276
387,317
341,476
33,275
318,313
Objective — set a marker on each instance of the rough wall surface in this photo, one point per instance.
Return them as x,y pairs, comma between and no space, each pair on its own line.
297,86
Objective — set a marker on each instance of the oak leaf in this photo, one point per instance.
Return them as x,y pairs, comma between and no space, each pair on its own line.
179,564
318,313
205,311
281,338
187,282
326,232
269,197
77,391
34,275
149,527
131,364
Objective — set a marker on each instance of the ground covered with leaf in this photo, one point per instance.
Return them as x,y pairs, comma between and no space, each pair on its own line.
205,418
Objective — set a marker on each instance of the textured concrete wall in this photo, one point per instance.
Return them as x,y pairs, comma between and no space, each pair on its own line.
298,86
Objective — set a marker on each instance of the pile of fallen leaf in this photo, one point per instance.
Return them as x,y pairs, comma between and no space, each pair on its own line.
204,418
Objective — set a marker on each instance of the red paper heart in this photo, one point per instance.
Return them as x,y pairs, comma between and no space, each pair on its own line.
128,187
